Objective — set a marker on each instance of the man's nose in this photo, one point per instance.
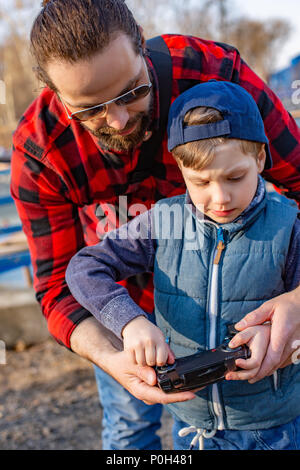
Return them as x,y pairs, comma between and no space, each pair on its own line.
116,116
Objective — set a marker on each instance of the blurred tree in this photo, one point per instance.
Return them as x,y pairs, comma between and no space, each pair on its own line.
207,19
150,15
258,42
16,69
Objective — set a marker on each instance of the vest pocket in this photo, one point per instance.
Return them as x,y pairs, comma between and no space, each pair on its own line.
180,345
287,377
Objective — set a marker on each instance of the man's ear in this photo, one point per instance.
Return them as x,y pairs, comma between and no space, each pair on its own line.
143,40
261,159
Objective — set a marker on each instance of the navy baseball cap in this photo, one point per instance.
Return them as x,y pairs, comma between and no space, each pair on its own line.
241,116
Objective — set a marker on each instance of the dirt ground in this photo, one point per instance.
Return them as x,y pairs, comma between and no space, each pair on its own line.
49,401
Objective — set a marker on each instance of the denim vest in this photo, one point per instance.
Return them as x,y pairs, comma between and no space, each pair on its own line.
250,271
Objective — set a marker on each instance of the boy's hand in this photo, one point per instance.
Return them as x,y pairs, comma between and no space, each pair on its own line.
146,343
101,347
257,339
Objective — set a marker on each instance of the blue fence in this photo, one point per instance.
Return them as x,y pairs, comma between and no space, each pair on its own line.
11,260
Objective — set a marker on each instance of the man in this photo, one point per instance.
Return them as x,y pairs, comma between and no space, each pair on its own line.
77,149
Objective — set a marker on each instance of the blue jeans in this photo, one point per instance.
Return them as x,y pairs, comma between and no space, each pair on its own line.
284,437
127,423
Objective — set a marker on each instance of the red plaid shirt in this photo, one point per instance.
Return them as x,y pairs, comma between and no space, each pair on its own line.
60,174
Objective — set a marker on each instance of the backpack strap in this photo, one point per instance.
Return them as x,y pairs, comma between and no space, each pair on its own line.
162,62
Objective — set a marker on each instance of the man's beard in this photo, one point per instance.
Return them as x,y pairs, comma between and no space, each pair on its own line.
110,138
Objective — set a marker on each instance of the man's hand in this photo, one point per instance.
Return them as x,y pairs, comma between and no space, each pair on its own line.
140,381
283,312
97,344
257,339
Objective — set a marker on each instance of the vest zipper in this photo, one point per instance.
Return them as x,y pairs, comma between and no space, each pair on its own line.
213,314
220,246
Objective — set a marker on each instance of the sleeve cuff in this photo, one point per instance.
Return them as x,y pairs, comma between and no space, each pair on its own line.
118,312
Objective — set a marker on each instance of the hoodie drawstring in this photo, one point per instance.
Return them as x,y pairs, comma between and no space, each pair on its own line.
201,434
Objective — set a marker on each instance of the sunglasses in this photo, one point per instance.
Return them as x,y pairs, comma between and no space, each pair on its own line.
100,110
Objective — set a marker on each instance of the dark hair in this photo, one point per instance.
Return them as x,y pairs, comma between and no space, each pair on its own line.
71,30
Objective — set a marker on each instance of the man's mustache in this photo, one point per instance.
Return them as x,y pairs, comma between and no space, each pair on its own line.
129,125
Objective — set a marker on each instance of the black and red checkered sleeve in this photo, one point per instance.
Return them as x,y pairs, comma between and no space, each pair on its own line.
54,233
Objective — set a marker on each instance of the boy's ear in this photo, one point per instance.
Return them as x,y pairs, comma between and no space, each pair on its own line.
261,159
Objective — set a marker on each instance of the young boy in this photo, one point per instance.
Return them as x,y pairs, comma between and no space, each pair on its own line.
217,253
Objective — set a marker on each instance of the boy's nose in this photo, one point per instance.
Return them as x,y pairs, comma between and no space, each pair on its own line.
220,195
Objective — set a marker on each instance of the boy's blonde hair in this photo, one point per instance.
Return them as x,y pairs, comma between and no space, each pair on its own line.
198,154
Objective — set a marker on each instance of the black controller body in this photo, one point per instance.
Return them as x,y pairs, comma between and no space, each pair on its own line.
201,369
